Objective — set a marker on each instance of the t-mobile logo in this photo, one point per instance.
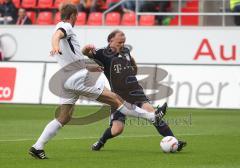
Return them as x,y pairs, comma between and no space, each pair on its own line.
117,68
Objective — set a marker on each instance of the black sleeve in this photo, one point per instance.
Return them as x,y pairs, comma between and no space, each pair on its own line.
99,57
64,31
97,54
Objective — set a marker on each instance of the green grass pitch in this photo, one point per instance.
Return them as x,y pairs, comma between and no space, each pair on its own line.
213,138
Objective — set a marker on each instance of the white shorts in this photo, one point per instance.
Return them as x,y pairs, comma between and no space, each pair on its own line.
83,83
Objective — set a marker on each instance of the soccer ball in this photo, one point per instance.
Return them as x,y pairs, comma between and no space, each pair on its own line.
169,144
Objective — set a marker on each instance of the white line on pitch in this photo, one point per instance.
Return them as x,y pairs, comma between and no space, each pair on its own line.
140,136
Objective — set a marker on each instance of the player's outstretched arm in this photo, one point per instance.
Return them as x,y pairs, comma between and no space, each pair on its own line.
55,42
89,50
94,68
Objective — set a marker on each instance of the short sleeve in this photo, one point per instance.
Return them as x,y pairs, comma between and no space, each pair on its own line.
65,28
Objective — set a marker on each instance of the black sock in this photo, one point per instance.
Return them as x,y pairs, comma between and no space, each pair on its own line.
164,129
106,135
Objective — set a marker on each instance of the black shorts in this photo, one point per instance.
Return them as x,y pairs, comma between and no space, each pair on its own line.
116,115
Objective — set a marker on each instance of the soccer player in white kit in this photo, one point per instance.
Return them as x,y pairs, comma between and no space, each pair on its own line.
66,49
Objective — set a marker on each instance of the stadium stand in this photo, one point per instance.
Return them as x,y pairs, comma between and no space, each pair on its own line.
147,20
29,4
57,18
174,21
113,18
129,19
17,3
191,7
32,16
81,18
57,3
95,19
109,2
36,7
45,18
189,20
45,4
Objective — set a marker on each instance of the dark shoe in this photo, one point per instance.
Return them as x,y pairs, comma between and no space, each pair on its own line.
97,146
38,154
181,145
160,113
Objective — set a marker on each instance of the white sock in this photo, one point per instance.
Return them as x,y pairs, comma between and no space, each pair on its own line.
49,132
135,111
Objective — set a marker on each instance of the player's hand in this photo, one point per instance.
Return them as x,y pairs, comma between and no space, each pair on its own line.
99,68
89,49
55,51
95,68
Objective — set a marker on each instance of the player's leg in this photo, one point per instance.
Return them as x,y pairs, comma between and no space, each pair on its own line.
163,128
111,132
91,85
51,129
125,108
117,121
65,113
117,128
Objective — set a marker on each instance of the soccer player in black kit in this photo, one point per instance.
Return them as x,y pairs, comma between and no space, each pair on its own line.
120,69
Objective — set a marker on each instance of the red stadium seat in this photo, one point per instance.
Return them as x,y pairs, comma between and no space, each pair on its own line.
129,19
190,20
190,10
192,4
45,18
57,3
29,3
95,18
113,18
57,18
147,20
16,3
32,16
174,21
45,4
81,18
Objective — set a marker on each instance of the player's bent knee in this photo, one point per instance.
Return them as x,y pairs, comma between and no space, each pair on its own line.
64,120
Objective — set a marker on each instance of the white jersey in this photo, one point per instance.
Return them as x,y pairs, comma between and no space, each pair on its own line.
69,45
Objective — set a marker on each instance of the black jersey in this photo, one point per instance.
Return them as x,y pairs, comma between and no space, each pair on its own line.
120,74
